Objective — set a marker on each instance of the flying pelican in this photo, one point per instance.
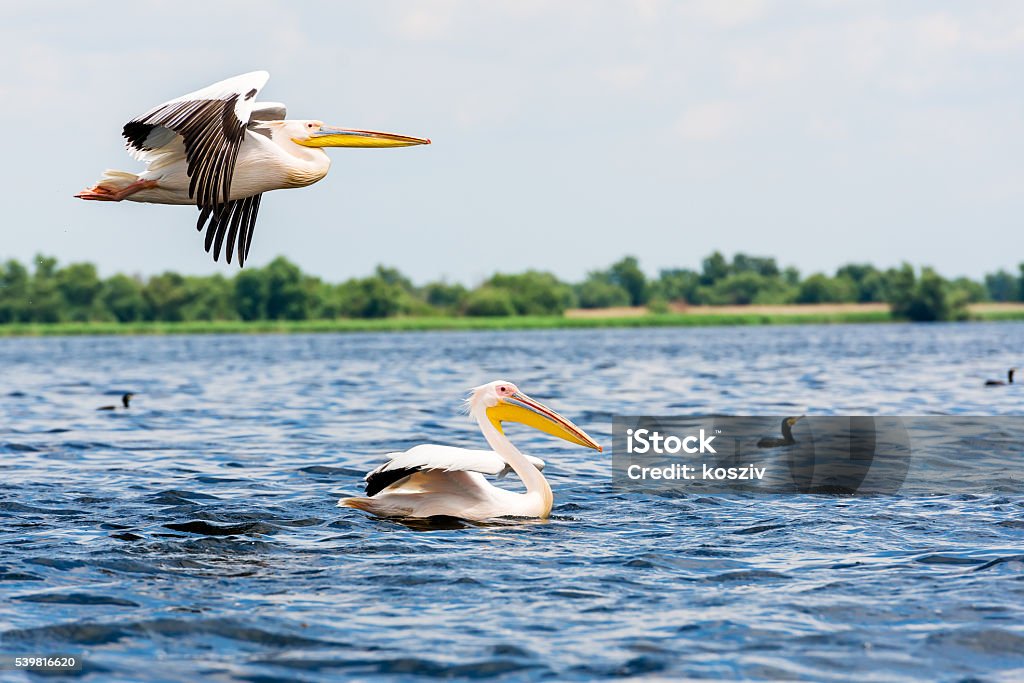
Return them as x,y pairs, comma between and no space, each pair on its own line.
787,435
431,480
219,149
999,382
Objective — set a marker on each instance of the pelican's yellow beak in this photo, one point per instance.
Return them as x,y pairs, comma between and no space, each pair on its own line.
522,409
345,137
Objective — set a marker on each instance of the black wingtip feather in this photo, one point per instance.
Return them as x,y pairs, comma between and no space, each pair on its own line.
252,224
236,216
211,231
136,132
236,220
222,226
378,481
204,215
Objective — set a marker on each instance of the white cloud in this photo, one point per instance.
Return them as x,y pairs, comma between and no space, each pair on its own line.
649,9
727,13
708,121
624,76
766,67
429,21
827,128
938,32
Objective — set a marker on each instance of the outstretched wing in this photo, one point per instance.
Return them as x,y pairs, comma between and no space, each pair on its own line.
431,457
211,123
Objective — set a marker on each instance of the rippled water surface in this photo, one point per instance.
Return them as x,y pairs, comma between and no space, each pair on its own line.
196,534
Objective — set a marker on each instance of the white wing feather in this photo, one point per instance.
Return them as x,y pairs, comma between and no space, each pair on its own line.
268,111
450,459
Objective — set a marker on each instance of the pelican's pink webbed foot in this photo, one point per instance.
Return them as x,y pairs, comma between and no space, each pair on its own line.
99,193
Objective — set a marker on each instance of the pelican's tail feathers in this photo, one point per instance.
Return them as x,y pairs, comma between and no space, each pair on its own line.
366,504
383,506
113,186
116,180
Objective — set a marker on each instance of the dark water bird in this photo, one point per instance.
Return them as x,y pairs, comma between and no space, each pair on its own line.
999,382
787,435
126,399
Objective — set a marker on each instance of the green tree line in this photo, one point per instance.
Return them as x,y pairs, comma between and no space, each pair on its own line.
281,291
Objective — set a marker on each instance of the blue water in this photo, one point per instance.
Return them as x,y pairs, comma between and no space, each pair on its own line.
196,535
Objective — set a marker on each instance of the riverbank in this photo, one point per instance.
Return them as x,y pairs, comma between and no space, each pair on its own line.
695,316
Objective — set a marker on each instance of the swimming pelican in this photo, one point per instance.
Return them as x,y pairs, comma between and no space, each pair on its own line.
219,149
787,435
999,382
431,480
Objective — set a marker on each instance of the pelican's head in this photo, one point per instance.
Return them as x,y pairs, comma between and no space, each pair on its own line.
316,134
503,402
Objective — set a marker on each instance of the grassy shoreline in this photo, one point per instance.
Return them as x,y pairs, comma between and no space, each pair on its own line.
414,324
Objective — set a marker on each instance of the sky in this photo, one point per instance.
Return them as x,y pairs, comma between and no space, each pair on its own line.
565,134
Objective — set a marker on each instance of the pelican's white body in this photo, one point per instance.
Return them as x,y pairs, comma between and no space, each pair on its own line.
263,164
454,485
467,495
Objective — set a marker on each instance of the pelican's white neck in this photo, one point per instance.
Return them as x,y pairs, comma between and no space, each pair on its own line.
282,137
536,484
302,165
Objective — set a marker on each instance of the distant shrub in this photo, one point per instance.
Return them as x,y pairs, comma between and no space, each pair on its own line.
677,284
820,289
1002,286
627,275
371,297
597,291
489,301
658,306
925,299
444,295
534,292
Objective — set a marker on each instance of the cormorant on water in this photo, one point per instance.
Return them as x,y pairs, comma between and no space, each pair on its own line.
999,382
125,400
787,435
